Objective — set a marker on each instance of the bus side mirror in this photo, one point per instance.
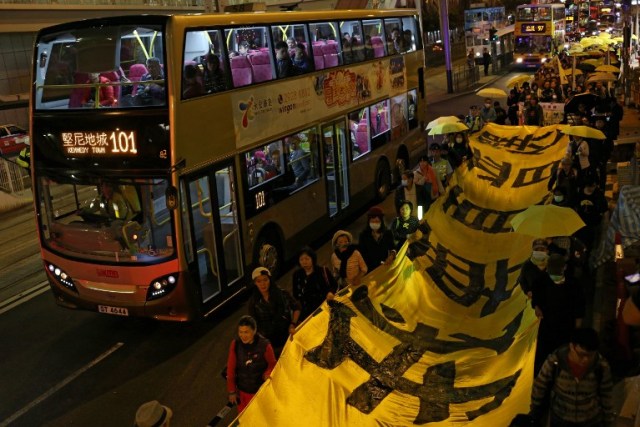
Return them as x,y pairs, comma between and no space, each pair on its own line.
171,195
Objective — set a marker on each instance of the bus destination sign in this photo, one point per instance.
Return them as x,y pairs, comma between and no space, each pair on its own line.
533,28
99,143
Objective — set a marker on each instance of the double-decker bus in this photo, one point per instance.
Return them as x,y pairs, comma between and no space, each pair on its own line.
172,154
539,32
481,24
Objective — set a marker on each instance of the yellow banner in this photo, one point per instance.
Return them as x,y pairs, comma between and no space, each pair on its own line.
442,337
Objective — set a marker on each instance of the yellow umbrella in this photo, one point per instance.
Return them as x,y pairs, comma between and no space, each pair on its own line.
492,92
547,221
604,36
594,62
444,128
441,120
591,41
634,37
570,71
601,77
583,131
618,39
518,80
577,53
607,69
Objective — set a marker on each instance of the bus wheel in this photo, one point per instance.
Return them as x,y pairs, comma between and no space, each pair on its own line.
382,180
269,254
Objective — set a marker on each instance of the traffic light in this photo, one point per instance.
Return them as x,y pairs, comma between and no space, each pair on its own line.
492,34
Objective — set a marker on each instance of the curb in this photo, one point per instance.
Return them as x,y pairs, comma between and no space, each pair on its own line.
450,96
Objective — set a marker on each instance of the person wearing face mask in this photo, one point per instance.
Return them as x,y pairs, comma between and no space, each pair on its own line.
459,150
474,120
560,305
566,178
560,198
376,241
488,113
347,262
533,269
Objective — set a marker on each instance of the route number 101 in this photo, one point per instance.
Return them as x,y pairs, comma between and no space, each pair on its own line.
260,200
123,142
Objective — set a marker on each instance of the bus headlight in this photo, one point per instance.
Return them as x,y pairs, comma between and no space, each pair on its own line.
543,60
519,60
61,277
162,286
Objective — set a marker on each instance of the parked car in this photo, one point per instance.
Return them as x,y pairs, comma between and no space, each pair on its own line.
12,140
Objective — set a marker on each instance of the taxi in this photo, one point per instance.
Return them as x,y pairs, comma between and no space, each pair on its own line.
12,140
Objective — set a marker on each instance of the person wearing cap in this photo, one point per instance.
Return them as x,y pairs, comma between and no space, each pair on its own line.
565,176
249,363
274,309
474,120
533,269
348,265
404,224
560,305
376,241
440,164
153,414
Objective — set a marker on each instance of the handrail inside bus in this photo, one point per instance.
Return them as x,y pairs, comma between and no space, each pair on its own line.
201,202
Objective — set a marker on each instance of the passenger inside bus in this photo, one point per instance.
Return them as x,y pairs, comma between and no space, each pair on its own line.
214,78
152,93
106,96
192,85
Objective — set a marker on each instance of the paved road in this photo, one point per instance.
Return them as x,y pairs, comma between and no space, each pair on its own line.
63,367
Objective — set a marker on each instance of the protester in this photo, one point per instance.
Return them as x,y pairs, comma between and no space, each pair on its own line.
348,265
404,224
375,241
274,309
576,382
559,303
250,362
533,271
312,284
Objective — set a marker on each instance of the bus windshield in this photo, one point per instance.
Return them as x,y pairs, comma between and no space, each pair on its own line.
117,221
101,67
533,44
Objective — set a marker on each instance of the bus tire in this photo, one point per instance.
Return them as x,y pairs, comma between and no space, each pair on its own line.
268,253
382,180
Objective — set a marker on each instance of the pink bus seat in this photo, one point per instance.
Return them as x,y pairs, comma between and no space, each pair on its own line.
330,53
261,65
318,59
136,71
362,138
378,46
264,49
240,71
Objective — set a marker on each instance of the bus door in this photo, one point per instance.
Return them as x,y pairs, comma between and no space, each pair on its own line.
214,232
336,165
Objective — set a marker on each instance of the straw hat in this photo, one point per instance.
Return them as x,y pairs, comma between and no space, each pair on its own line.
152,414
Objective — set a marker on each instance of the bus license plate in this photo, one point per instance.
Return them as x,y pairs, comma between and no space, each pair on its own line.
118,311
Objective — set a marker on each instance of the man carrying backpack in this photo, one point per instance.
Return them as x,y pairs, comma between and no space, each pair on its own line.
575,383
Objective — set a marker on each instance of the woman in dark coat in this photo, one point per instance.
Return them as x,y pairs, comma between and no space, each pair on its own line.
312,284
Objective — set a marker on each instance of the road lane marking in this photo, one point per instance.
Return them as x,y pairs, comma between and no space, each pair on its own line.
60,385
23,297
